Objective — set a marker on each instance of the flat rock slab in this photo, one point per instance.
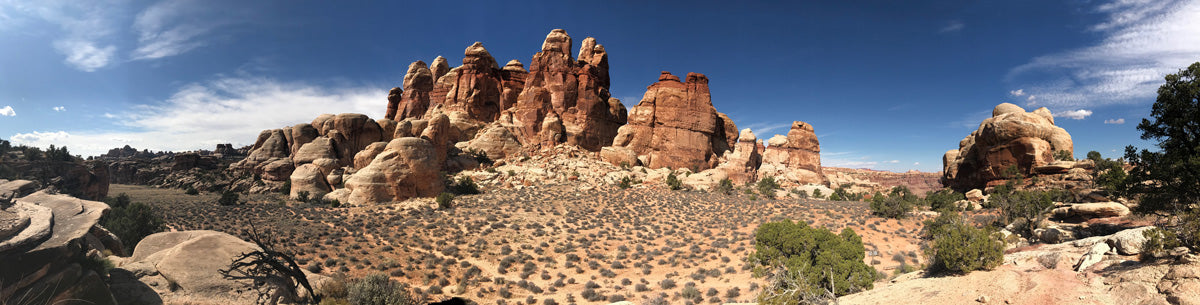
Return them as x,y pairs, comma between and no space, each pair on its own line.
39,220
73,217
20,187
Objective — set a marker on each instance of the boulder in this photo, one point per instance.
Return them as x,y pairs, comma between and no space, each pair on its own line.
1054,235
675,125
365,156
309,178
1092,210
496,141
406,168
1094,255
319,148
619,156
976,195
1011,137
17,188
184,265
351,132
1129,242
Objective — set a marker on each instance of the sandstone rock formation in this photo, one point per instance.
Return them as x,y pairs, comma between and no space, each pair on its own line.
329,142
794,158
575,91
86,180
176,267
743,163
675,126
45,241
1084,271
405,168
559,100
1011,137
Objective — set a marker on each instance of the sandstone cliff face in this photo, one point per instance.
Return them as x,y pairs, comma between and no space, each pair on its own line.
794,158
1011,137
675,126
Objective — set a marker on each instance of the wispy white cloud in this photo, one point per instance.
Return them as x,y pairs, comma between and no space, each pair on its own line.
1074,114
7,111
225,110
60,108
86,27
1116,121
36,137
971,120
174,27
952,26
1143,40
761,130
1018,92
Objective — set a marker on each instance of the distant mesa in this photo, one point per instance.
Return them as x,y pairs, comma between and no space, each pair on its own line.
1012,137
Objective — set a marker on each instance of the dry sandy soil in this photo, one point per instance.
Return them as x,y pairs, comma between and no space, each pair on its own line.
557,242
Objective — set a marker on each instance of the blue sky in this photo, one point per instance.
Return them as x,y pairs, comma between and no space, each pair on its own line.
887,84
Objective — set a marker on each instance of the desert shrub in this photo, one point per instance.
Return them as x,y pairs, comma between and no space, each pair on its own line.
690,293
800,193
725,186
132,222
190,190
122,200
817,194
1110,175
806,264
943,200
627,182
673,182
843,193
1026,206
378,289
228,198
334,289
961,248
1184,233
767,186
666,284
302,196
100,265
445,200
1063,155
480,156
896,204
463,186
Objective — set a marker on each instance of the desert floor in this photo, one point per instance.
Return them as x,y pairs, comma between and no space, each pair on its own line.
551,244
